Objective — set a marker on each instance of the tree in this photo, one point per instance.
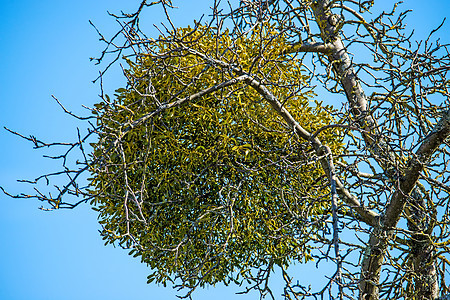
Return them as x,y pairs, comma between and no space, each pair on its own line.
212,166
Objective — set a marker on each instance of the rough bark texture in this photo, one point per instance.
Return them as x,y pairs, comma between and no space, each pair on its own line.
342,65
422,250
380,237
373,259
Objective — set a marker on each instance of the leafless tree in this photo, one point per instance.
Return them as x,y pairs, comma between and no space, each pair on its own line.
388,211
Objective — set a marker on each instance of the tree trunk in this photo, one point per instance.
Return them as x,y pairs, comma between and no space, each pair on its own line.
424,266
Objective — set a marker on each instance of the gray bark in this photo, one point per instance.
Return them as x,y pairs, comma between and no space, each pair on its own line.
380,237
422,250
382,233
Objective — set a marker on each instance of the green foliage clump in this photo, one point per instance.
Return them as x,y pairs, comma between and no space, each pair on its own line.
209,190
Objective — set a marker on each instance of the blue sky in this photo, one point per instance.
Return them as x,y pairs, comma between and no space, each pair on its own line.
45,50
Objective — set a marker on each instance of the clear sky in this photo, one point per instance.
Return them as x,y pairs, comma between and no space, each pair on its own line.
45,50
